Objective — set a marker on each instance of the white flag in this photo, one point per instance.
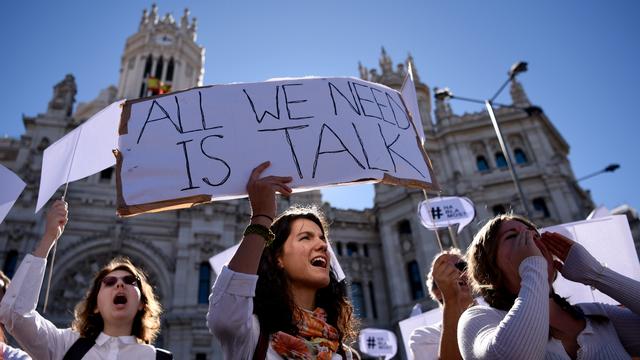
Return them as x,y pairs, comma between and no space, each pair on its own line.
12,187
84,151
410,98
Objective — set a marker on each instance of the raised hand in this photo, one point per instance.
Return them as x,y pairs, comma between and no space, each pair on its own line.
559,245
57,218
262,191
447,276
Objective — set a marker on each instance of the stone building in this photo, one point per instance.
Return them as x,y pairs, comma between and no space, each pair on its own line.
384,250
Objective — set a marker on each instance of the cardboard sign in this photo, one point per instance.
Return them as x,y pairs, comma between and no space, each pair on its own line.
446,211
190,147
609,240
378,342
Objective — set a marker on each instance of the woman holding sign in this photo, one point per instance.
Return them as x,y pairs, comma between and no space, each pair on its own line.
513,267
117,319
278,298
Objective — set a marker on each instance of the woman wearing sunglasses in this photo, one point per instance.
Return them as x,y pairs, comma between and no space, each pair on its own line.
117,319
278,298
513,267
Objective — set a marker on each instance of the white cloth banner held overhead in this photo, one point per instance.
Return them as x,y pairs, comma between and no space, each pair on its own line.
609,240
190,147
445,211
12,187
84,151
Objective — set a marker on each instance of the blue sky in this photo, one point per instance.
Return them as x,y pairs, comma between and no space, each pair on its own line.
583,59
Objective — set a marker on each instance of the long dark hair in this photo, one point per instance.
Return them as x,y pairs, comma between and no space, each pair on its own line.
273,303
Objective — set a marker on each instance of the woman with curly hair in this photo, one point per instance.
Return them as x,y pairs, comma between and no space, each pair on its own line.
118,318
513,267
278,298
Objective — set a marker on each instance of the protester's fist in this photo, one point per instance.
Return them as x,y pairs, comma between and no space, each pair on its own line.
447,276
262,191
56,220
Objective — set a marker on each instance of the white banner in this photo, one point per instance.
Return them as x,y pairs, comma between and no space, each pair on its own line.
184,148
609,240
407,326
446,211
12,187
84,151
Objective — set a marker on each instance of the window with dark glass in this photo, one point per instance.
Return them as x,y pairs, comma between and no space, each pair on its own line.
204,281
352,249
521,157
10,263
339,248
374,308
404,227
170,67
201,356
365,249
357,299
499,209
415,280
541,206
105,175
482,164
159,67
501,161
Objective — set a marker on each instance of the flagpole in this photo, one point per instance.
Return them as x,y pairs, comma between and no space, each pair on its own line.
55,245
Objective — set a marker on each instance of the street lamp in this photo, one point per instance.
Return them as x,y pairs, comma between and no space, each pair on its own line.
610,168
517,68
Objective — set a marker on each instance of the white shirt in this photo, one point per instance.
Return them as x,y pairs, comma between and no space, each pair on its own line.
231,319
425,342
43,340
11,353
523,332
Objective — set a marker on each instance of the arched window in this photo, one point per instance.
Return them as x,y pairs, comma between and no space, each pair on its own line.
521,157
170,67
357,299
482,164
501,161
10,263
352,249
159,67
415,280
204,281
541,206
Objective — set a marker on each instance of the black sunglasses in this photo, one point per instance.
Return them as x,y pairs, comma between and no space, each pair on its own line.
111,280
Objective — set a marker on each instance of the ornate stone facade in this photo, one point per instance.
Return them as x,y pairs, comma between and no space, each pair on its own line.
384,250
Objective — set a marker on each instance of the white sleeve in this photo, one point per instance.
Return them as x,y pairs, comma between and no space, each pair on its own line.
425,343
35,334
230,317
486,333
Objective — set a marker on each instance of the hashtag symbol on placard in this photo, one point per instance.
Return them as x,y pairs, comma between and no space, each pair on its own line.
371,342
436,213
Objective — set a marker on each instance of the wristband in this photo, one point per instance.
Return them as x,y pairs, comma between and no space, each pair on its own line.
262,231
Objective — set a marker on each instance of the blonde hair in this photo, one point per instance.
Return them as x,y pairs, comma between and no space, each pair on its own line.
146,324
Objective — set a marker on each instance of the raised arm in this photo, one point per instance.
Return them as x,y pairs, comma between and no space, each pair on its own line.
231,301
38,336
262,195
487,333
